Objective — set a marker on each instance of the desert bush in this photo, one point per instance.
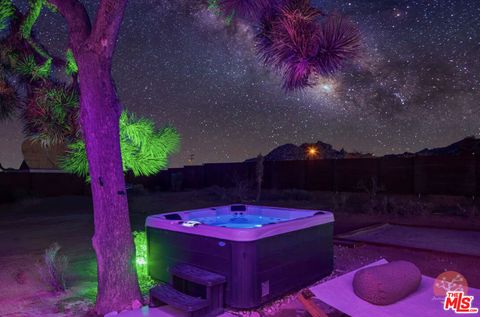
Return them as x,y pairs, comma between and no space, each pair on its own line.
339,201
53,268
375,205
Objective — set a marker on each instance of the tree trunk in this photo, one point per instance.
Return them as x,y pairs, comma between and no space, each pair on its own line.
93,46
112,241
259,190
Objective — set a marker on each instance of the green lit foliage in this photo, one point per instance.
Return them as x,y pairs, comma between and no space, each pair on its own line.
51,118
141,261
44,70
145,150
51,7
6,12
28,67
75,161
229,18
71,67
214,6
31,18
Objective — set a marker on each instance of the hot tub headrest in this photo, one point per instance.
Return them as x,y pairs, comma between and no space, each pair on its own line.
238,208
173,217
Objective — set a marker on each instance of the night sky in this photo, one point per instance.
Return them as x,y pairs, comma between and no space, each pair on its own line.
415,85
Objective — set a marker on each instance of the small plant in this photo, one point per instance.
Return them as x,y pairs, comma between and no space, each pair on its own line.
141,261
53,268
71,65
6,12
372,189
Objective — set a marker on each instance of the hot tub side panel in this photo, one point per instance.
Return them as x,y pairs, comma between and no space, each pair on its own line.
293,260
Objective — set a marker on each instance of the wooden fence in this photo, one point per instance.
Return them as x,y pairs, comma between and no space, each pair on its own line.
452,175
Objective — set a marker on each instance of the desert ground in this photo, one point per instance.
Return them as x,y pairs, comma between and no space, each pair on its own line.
31,224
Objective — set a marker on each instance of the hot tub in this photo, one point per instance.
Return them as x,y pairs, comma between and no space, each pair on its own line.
264,252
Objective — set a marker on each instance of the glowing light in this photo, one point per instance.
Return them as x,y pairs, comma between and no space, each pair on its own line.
327,87
312,151
141,259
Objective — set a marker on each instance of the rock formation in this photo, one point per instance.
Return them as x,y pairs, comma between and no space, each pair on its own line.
38,157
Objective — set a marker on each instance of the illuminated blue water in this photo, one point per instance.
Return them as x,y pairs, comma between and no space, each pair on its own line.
238,221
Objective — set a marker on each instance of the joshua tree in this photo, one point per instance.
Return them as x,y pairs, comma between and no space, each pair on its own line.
91,50
92,45
259,175
53,111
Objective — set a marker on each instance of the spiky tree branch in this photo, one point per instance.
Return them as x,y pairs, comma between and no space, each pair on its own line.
296,39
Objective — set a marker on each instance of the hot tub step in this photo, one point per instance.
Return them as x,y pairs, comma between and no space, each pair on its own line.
166,294
197,275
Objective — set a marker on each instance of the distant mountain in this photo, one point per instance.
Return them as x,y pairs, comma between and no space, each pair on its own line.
468,146
321,150
306,151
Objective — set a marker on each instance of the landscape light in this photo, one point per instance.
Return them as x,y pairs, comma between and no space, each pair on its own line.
312,151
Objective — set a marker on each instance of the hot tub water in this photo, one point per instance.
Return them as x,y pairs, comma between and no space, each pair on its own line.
239,221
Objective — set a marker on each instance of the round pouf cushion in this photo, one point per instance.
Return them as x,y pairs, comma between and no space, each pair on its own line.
387,283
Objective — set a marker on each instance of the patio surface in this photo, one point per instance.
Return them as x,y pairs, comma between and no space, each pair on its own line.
465,242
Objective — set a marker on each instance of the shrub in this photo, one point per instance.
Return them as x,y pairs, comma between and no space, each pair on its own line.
53,269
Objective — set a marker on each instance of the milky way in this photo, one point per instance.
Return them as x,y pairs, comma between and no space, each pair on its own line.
415,85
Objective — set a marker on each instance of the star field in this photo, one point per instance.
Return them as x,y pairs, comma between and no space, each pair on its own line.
415,84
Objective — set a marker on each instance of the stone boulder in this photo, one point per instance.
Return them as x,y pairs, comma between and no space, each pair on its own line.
387,283
38,157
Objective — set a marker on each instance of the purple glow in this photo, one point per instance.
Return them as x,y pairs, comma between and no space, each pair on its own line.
293,40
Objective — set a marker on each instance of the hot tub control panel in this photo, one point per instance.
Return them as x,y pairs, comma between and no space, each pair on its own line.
190,223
